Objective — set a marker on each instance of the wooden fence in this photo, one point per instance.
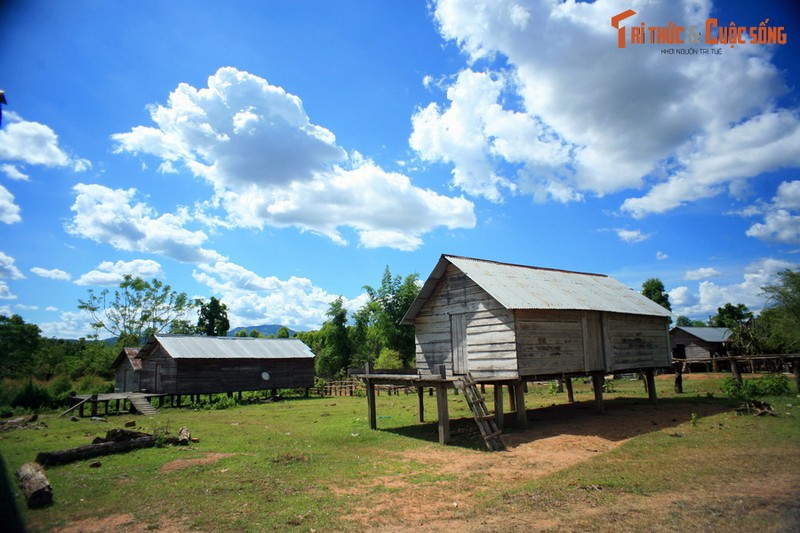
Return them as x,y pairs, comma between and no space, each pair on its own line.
355,387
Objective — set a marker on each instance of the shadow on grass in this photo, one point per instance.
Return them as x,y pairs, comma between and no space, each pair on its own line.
10,518
624,418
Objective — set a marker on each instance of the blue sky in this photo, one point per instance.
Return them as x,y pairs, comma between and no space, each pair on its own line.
278,155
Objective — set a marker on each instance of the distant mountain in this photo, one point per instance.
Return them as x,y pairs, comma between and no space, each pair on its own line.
265,330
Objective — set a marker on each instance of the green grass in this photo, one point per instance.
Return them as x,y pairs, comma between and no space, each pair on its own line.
307,464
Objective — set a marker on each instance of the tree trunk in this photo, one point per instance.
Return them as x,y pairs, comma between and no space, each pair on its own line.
63,457
38,492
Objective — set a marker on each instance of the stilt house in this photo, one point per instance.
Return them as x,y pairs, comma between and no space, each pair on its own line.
502,322
127,369
699,343
187,364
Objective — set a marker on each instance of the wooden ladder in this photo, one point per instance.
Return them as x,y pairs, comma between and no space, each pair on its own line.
485,420
142,405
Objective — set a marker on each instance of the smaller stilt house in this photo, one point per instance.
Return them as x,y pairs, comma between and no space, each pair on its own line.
504,324
699,344
189,364
127,370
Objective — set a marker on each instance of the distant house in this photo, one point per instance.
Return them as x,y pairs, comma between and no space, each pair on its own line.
187,364
501,321
692,343
128,368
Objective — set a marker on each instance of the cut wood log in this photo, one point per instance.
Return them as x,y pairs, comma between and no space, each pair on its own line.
117,440
63,457
33,481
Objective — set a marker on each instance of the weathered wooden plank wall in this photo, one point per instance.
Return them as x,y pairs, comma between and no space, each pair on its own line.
550,342
489,330
635,341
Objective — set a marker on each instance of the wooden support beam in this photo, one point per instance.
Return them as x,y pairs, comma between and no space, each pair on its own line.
650,382
371,413
598,378
444,413
373,418
421,404
512,399
570,392
796,369
498,405
522,415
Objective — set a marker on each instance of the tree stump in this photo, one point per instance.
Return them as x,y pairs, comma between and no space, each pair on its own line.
38,492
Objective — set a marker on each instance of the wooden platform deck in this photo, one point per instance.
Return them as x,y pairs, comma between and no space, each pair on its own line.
127,402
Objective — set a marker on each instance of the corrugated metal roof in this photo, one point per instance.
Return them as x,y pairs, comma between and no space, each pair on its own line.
708,334
200,347
526,287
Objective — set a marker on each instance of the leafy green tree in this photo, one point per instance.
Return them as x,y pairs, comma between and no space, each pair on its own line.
389,359
781,318
241,333
730,316
213,318
685,321
138,309
254,333
364,337
334,357
283,333
18,345
390,304
653,289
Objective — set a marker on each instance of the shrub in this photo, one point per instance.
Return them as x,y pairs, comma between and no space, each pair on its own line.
32,396
749,389
389,359
60,389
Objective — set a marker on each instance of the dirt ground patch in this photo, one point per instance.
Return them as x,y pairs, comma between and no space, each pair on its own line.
124,523
207,459
558,437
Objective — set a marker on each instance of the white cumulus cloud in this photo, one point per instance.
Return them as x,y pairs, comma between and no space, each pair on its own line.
33,143
269,164
781,216
709,296
8,269
9,210
701,273
54,273
113,216
558,111
110,274
253,299
631,235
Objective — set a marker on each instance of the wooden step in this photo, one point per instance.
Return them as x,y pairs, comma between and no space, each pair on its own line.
143,406
493,435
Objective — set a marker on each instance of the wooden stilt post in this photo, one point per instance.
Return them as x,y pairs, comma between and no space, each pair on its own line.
598,378
372,415
649,378
570,392
498,406
512,398
796,369
420,405
94,404
441,403
522,415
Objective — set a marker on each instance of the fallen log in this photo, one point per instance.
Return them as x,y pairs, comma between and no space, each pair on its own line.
35,485
117,440
89,451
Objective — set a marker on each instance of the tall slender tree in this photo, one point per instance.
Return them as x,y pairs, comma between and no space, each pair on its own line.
213,318
138,309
